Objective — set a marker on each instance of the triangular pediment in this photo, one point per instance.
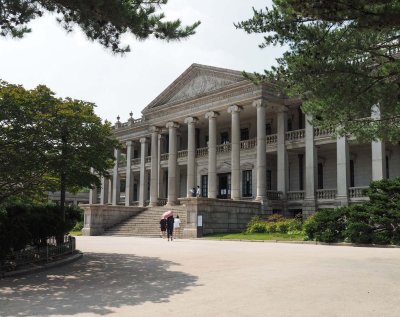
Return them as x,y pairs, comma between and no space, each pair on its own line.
196,81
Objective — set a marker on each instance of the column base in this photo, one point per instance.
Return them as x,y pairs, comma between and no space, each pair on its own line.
309,207
342,201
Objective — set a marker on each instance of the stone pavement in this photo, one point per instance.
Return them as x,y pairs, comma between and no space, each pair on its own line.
127,276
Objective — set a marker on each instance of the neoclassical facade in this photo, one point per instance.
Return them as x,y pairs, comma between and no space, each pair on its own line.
239,142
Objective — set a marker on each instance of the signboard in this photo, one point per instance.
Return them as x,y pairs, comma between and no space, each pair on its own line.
199,221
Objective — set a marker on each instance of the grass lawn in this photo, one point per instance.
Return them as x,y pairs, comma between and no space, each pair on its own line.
75,233
256,236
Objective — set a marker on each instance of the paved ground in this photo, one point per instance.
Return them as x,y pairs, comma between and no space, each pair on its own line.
153,277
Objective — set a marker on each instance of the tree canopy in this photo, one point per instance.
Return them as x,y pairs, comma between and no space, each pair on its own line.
104,21
342,59
43,138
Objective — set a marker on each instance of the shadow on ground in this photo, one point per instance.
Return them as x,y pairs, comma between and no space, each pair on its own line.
95,284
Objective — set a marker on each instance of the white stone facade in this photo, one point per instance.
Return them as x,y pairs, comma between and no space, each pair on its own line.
214,129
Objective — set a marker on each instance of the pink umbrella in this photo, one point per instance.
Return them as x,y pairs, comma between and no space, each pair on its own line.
167,214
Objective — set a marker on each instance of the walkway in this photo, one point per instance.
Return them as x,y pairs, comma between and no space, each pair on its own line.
127,276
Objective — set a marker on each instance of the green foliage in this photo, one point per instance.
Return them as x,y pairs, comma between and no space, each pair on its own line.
327,225
376,221
342,58
274,224
59,136
102,21
22,225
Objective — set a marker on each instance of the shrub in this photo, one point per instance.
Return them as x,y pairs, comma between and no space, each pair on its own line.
326,225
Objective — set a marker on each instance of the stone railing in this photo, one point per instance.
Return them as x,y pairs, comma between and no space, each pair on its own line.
136,161
355,192
295,195
201,152
135,203
164,157
147,159
162,201
326,193
182,153
272,139
295,135
274,195
130,123
248,144
224,148
321,133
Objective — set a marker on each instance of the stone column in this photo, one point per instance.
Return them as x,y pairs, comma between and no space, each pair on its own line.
282,158
261,151
143,176
343,171
191,156
154,167
104,191
212,153
159,186
172,162
235,151
116,179
378,153
110,187
92,191
309,205
129,180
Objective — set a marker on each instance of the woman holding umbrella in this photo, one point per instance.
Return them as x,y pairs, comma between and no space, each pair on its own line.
170,223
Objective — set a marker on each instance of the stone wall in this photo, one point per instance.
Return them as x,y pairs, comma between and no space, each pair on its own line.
100,217
219,216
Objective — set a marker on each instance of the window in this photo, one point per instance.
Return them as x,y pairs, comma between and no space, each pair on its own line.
269,180
301,118
320,176
204,185
289,124
197,137
244,134
301,172
122,185
224,137
206,140
246,183
268,129
351,173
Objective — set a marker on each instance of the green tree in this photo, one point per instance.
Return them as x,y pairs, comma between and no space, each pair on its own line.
104,21
49,142
342,59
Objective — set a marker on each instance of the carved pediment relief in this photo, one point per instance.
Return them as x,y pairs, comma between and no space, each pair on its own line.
196,81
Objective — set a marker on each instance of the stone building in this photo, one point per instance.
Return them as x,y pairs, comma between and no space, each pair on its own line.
250,150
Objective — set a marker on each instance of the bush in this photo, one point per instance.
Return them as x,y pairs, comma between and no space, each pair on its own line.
22,225
273,224
326,225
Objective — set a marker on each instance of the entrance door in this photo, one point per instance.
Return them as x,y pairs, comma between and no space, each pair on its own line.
224,188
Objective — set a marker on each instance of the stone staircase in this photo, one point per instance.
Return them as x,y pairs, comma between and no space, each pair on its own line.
146,223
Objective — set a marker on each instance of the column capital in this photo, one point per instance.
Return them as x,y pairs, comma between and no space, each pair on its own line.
234,108
154,129
211,115
172,124
191,120
143,140
129,143
259,103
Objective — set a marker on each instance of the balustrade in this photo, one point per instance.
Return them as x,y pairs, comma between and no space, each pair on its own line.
164,157
272,139
248,144
326,193
224,148
320,133
183,153
136,161
355,192
147,159
295,195
295,135
201,152
274,195
162,201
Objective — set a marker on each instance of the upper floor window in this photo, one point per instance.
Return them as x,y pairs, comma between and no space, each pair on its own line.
244,134
224,137
268,128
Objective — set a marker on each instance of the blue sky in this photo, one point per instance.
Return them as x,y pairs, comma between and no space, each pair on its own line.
73,66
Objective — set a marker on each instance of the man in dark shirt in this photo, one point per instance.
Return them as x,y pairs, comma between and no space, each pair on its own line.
170,227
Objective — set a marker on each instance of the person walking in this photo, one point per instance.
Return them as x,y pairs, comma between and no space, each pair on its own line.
170,227
177,226
163,227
